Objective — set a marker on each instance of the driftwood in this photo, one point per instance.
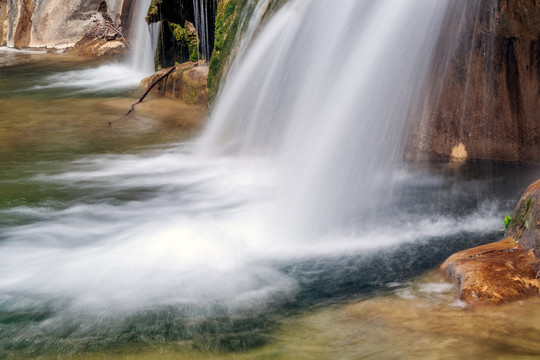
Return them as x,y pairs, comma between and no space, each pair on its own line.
111,26
146,92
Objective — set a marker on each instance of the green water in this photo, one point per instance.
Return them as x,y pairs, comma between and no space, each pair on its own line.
41,128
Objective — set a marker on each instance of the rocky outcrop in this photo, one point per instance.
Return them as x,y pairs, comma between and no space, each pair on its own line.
105,38
55,23
506,270
231,21
484,89
186,83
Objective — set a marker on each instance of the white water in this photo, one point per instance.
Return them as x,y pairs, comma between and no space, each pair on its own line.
201,24
303,138
144,40
329,101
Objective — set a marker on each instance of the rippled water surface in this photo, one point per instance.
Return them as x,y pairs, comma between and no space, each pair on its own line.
120,241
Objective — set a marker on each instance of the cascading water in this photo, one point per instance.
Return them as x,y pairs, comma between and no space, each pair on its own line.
145,40
329,101
264,207
201,25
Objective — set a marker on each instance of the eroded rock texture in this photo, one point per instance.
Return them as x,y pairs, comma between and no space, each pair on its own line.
483,95
56,23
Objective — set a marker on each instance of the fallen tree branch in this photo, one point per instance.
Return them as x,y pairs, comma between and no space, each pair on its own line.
110,26
171,70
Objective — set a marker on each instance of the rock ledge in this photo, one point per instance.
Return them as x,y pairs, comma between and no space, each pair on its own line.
505,270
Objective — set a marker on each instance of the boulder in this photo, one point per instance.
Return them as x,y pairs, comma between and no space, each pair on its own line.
186,83
494,273
505,270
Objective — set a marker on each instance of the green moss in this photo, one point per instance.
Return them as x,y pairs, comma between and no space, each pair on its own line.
186,36
228,23
152,15
231,18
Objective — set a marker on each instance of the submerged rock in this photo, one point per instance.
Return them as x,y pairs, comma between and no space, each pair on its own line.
505,270
187,83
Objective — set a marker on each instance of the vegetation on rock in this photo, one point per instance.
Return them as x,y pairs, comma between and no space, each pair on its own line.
228,19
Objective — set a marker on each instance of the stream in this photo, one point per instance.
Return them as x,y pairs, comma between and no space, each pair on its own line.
126,241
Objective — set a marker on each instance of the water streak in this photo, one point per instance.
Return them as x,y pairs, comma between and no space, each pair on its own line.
329,102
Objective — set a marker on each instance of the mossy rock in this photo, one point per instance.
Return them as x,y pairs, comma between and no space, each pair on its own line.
186,83
232,17
227,22
524,227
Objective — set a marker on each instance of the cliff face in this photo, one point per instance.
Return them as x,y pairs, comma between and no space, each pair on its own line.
4,23
483,95
54,23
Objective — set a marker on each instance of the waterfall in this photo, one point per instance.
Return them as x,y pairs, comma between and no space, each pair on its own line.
144,40
201,25
325,89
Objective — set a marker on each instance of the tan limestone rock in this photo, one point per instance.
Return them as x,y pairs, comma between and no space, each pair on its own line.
187,83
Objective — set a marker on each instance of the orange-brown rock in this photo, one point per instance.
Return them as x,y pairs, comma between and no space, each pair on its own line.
187,83
505,270
494,273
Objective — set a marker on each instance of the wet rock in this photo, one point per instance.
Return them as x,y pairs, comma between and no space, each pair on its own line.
494,273
187,83
505,270
484,89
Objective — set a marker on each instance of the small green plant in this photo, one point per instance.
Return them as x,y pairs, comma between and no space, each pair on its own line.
507,220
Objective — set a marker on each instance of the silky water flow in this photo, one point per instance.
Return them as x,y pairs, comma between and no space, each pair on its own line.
289,193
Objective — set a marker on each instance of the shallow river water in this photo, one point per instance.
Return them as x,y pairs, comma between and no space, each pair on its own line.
120,242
